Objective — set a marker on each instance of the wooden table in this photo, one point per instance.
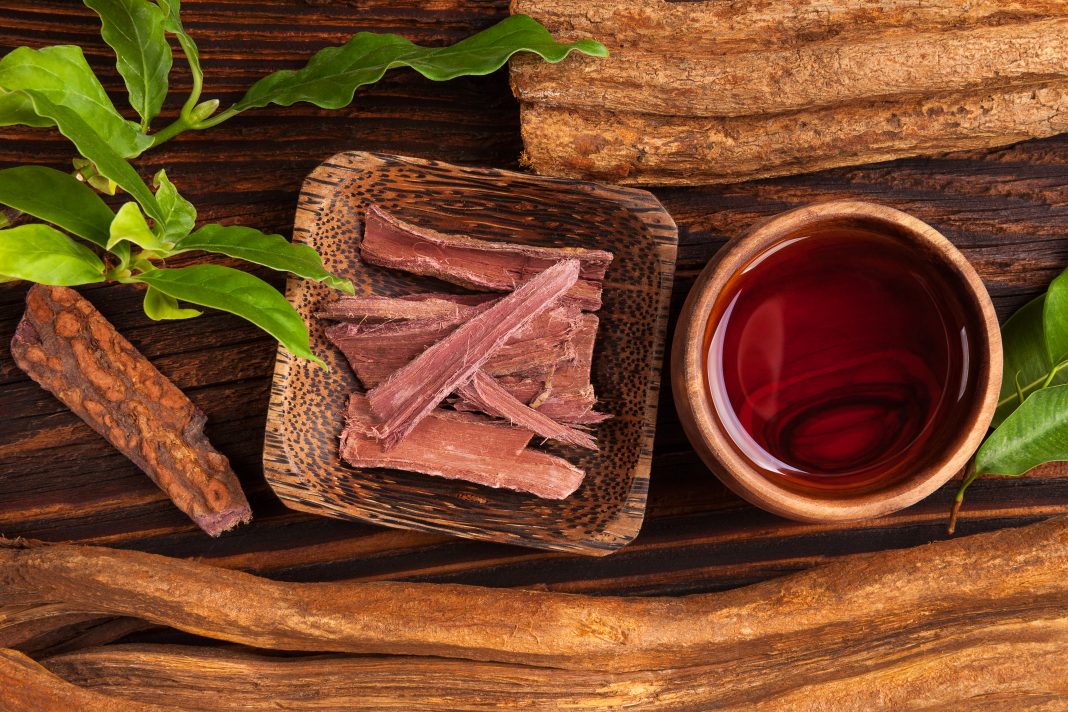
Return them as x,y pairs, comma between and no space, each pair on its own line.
1007,209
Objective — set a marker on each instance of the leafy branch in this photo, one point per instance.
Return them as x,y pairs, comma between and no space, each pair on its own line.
1031,420
55,87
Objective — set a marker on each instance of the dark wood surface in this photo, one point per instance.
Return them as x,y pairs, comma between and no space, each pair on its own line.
1007,209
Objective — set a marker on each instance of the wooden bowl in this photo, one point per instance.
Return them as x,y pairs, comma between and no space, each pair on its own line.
702,427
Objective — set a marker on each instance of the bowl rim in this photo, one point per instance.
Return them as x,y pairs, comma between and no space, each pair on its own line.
713,445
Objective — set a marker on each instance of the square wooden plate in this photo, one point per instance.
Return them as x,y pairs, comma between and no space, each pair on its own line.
307,403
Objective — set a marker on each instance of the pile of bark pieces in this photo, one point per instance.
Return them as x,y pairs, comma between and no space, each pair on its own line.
717,92
459,384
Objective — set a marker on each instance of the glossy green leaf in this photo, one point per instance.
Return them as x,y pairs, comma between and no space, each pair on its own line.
1026,359
42,254
63,77
272,251
1035,433
1055,319
93,147
179,215
16,109
239,293
58,198
173,24
159,306
135,30
130,225
334,74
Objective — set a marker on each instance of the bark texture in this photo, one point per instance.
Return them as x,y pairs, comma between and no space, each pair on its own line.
723,92
25,686
972,669
883,606
69,348
673,150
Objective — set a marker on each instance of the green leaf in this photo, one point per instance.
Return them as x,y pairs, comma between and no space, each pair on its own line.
179,215
63,77
1055,319
95,148
173,24
134,29
239,293
130,225
1034,433
42,254
332,76
1026,358
16,109
58,198
159,306
272,251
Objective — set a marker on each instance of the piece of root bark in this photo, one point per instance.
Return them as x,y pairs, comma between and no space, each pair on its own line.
890,601
721,28
460,446
51,628
491,398
413,391
639,149
25,686
377,350
473,263
1007,664
812,75
422,307
69,348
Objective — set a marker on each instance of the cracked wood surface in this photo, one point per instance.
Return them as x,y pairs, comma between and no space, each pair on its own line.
1006,208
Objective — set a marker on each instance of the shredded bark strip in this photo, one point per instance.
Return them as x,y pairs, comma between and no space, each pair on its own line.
460,446
375,351
493,399
361,308
477,264
412,392
68,347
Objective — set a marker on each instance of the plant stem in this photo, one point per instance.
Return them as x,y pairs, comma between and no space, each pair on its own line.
170,131
217,119
194,97
969,477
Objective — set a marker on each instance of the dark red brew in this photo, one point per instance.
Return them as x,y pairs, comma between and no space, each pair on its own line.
837,360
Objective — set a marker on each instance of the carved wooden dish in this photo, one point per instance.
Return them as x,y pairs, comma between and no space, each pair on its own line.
305,418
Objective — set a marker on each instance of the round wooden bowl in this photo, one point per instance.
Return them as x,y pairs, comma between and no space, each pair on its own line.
693,402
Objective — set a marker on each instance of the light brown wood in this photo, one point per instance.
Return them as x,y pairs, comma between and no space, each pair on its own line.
305,416
889,603
960,667
696,413
640,149
705,92
25,686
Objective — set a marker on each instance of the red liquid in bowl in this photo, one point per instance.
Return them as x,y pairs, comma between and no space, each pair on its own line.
839,360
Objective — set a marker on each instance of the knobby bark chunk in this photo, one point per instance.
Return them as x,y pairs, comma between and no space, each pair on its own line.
69,348
477,264
460,446
412,392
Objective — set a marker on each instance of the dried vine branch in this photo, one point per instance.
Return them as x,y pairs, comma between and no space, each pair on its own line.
965,583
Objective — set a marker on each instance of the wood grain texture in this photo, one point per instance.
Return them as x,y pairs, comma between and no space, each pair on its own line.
1007,209
305,418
